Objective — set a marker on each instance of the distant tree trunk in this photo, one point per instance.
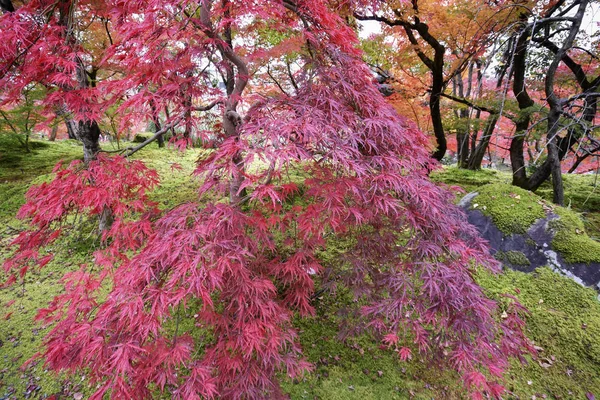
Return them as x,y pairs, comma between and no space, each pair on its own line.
479,149
157,125
88,132
436,66
556,105
462,131
188,113
475,133
168,115
557,147
53,133
479,153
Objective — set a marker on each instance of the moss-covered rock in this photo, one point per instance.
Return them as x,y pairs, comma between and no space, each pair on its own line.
571,240
142,137
512,257
512,209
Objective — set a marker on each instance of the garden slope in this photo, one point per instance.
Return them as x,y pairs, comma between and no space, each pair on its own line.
564,320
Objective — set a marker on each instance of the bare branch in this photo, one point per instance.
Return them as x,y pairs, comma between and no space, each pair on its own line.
129,151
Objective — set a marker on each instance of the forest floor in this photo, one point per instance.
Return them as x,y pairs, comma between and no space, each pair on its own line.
564,319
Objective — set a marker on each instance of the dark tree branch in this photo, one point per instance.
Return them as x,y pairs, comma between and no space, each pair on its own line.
276,81
129,151
7,6
474,106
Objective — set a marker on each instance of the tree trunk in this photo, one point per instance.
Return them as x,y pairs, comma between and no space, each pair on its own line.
71,128
157,126
231,121
54,132
462,130
517,157
479,153
89,135
437,87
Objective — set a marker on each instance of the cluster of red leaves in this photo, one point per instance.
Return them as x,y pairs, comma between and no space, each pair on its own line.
33,50
115,187
244,270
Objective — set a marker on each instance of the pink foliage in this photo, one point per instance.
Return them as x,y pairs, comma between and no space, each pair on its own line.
244,270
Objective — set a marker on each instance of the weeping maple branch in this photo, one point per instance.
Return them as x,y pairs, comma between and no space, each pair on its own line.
129,151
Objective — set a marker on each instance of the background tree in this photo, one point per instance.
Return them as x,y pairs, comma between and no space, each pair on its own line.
43,46
446,38
562,116
22,119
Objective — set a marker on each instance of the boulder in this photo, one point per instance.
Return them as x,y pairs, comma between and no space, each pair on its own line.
525,232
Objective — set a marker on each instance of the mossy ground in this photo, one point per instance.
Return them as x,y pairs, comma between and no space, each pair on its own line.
20,337
564,323
564,320
470,180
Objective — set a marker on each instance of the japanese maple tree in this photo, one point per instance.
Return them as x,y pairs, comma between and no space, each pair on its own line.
243,259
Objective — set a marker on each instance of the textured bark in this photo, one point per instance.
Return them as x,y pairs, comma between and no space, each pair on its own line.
235,80
557,146
89,134
517,157
556,105
435,65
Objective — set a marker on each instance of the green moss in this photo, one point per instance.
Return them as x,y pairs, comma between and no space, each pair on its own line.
358,368
512,257
12,196
512,209
20,336
564,321
571,240
177,183
469,180
530,242
17,165
591,221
